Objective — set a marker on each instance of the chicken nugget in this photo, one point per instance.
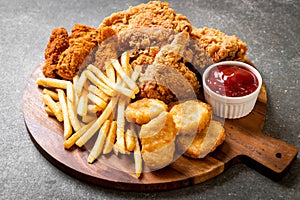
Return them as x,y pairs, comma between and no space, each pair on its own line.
142,111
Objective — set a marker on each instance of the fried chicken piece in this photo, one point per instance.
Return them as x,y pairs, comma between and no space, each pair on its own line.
58,42
158,141
83,40
107,47
168,78
220,46
142,111
152,14
143,57
191,117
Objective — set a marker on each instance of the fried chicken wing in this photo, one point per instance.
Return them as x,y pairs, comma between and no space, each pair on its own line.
83,40
58,43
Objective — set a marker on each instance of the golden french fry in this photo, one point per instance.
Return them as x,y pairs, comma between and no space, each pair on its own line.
80,83
125,63
82,104
92,108
52,82
137,156
88,118
70,91
101,76
73,115
110,72
49,111
131,84
99,143
120,142
97,100
136,73
53,106
110,139
98,123
129,140
107,90
71,140
67,125
51,93
95,90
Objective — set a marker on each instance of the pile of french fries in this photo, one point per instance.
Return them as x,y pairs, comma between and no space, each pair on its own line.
95,102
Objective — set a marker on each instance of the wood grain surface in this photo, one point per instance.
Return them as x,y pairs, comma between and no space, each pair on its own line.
244,142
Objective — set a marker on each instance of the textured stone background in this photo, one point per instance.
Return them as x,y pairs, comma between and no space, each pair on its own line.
270,28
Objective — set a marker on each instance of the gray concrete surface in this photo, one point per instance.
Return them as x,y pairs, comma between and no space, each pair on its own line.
270,28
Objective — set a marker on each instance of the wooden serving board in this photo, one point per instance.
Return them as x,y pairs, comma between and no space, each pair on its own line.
244,142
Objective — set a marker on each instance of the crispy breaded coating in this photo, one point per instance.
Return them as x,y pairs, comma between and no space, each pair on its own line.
107,47
219,46
142,111
152,14
203,143
158,141
58,42
191,117
83,40
168,78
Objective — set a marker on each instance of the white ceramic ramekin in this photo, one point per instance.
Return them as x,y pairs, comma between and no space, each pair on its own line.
231,107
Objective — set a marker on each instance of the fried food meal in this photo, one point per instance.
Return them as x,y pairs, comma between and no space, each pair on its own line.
135,82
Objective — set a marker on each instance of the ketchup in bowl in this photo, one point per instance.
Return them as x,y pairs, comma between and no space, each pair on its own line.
232,81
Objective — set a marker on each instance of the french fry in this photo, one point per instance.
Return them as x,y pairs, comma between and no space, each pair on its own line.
52,82
73,115
98,123
97,100
95,90
92,108
125,63
107,90
88,118
111,137
99,143
82,104
129,139
80,83
70,91
120,142
110,72
71,140
131,84
101,76
67,125
137,156
51,93
49,111
53,106
136,73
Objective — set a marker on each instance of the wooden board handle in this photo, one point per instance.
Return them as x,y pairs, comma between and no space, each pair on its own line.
266,154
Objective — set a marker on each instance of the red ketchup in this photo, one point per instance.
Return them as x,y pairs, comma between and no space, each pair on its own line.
232,81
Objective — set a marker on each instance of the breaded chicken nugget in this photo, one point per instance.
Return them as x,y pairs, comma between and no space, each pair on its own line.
203,143
142,111
158,141
191,117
